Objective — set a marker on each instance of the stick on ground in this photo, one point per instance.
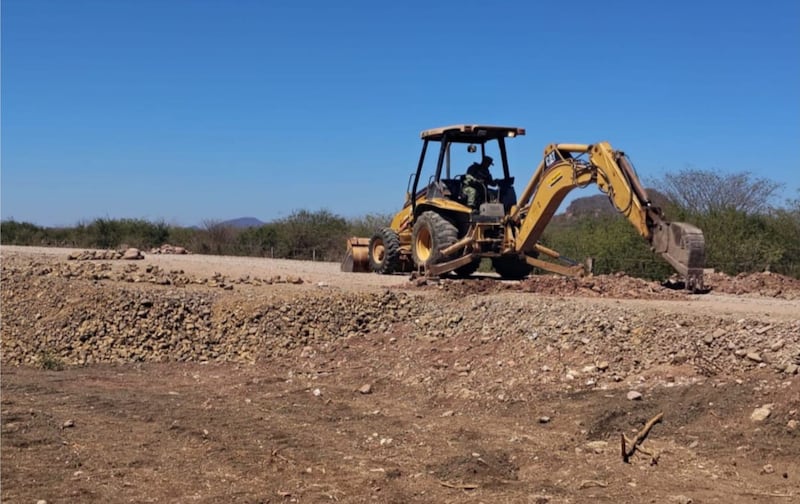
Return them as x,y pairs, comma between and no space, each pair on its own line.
629,447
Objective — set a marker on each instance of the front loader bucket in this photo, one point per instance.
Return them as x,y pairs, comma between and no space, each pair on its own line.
356,259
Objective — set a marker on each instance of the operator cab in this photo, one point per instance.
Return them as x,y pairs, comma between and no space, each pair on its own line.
447,154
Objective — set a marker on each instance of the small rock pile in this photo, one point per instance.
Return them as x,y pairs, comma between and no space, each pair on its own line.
106,255
615,286
755,284
169,249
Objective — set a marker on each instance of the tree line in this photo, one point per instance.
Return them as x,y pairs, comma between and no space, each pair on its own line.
304,234
743,231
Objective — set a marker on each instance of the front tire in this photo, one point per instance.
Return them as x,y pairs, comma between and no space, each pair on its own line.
431,233
511,268
468,269
384,251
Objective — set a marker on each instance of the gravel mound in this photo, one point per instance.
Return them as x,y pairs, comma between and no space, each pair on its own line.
611,286
87,312
50,313
621,286
755,284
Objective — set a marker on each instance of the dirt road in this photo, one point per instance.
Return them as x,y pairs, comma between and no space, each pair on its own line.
207,379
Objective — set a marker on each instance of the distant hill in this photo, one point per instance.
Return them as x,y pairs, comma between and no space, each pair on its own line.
599,204
243,222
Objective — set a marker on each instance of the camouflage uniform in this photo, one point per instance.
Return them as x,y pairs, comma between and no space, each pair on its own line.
475,181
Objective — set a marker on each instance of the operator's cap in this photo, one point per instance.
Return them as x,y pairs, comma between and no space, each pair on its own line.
489,160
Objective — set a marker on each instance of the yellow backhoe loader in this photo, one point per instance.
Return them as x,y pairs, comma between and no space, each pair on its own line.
451,220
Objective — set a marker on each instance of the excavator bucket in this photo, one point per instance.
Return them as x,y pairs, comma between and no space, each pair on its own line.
684,247
356,259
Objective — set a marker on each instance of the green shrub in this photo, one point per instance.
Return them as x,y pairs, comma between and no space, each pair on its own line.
51,362
611,241
21,233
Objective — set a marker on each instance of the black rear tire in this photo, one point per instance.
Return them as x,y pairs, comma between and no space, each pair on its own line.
431,233
511,268
384,251
468,269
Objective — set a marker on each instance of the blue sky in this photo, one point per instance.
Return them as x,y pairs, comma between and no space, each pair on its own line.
188,111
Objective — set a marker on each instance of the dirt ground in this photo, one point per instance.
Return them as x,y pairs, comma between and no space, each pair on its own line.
395,413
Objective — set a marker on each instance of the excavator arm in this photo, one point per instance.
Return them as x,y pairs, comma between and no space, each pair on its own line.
565,168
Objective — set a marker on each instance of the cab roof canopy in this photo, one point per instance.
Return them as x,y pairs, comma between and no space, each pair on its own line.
471,133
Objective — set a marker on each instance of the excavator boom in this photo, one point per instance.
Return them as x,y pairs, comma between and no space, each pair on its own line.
564,169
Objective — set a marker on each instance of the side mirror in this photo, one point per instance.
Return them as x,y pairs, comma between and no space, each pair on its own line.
472,148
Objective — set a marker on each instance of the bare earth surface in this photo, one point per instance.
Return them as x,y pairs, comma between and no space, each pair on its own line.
218,379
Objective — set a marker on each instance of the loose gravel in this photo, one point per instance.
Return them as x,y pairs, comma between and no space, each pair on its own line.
84,312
